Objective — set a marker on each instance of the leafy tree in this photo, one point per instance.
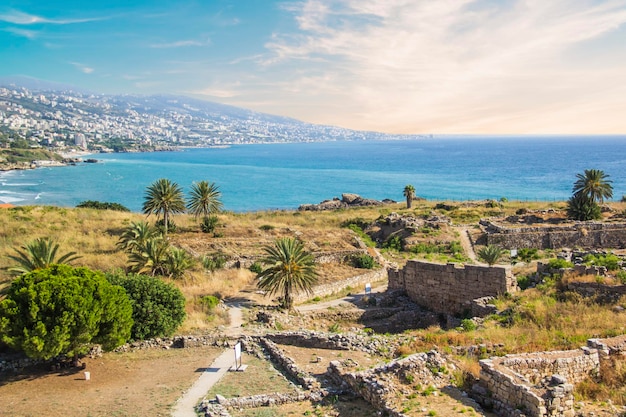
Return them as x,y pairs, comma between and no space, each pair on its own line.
491,254
594,184
204,199
164,197
289,268
409,193
582,207
158,307
62,310
38,254
136,235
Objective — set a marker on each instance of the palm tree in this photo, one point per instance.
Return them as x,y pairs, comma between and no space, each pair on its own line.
166,197
177,261
491,254
136,235
204,199
409,193
289,268
150,258
38,254
594,184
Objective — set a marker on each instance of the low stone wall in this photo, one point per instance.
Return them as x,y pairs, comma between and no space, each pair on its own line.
451,288
579,234
602,293
290,367
541,384
375,345
370,384
357,281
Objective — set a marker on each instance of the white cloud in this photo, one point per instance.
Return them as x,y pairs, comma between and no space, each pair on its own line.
179,44
82,67
452,65
29,34
20,18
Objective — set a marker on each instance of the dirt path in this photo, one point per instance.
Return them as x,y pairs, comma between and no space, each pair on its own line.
466,243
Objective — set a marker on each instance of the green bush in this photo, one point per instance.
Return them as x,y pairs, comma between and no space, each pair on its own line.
213,262
63,310
394,242
256,267
209,301
208,224
467,325
558,263
524,282
171,226
527,254
158,307
580,207
611,262
621,276
102,206
363,261
359,222
266,227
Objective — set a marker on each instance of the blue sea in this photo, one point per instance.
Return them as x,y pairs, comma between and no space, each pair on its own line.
283,176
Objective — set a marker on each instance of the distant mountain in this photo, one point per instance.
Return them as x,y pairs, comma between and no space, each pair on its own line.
53,113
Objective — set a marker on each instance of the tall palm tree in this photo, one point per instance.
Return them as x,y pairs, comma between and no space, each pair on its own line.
289,268
594,184
164,196
38,254
136,235
204,199
409,193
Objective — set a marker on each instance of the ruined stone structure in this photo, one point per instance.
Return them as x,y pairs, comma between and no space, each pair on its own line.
541,384
451,288
357,282
580,234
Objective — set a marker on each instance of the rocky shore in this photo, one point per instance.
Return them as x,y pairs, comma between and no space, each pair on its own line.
347,200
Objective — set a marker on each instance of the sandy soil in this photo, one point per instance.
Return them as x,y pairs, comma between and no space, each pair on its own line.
143,383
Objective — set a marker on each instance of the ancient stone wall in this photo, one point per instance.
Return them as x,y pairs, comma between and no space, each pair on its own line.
541,384
580,234
358,282
450,288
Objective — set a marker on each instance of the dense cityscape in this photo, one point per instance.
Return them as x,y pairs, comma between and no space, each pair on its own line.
59,120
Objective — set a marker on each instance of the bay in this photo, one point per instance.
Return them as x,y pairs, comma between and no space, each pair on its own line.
283,176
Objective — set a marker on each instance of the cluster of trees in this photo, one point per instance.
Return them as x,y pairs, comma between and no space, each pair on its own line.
164,198
590,188
62,310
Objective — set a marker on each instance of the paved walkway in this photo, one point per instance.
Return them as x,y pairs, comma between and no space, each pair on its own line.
186,405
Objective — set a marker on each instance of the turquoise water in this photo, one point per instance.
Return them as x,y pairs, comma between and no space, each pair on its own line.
283,176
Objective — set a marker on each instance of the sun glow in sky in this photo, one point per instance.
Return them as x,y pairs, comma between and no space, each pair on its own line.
400,66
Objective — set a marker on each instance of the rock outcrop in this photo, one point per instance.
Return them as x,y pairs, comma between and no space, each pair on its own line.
347,200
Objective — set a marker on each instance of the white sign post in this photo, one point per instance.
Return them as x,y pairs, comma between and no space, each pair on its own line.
238,365
368,288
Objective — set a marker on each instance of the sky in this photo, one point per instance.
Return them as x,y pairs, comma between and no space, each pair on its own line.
396,66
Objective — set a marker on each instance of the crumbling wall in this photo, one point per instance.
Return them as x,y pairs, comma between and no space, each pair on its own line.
451,288
541,384
579,234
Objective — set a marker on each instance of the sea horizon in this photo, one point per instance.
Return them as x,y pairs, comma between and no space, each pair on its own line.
255,177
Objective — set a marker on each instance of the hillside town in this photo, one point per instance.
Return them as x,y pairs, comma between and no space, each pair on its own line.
107,123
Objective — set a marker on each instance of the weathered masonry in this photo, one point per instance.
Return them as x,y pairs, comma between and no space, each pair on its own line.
541,384
580,234
451,288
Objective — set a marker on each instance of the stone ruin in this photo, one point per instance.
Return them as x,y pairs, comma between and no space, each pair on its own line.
589,234
452,288
541,384
347,200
